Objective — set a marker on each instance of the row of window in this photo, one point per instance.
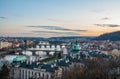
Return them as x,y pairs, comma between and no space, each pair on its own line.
26,74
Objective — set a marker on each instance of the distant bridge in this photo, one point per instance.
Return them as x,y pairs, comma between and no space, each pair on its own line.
34,50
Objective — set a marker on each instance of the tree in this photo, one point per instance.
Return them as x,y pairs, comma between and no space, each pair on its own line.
4,72
94,69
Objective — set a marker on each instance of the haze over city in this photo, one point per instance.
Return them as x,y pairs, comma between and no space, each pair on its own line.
48,18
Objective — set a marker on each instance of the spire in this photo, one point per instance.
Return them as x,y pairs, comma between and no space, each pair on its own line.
76,42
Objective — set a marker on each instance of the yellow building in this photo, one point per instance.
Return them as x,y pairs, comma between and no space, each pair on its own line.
5,45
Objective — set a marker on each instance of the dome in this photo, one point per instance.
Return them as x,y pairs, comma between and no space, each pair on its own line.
9,58
20,58
76,47
29,53
75,50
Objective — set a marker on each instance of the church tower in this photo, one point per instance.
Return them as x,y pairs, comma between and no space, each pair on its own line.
75,49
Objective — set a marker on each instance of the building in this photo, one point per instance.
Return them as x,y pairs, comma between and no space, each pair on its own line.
33,70
55,69
75,49
5,44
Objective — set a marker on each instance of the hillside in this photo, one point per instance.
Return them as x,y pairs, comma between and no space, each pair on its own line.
113,36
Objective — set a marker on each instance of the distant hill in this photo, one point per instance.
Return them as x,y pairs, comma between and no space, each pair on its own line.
113,36
65,38
71,38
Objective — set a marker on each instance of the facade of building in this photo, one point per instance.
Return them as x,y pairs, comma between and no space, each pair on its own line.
25,73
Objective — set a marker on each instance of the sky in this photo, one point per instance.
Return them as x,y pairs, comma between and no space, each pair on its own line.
52,18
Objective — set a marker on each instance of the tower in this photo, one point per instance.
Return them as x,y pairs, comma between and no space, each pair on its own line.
75,49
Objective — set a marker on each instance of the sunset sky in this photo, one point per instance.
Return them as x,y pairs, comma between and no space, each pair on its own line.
50,18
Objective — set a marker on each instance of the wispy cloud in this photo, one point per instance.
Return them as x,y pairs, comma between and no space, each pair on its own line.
107,25
79,30
57,28
2,17
25,33
105,18
50,27
51,32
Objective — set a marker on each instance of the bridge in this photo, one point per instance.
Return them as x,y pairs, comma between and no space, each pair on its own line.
34,50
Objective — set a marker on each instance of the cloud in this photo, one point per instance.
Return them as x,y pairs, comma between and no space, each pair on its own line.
25,33
107,25
51,32
80,30
2,17
105,18
50,27
56,28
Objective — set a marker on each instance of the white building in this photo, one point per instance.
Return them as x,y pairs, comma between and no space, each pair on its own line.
34,70
24,73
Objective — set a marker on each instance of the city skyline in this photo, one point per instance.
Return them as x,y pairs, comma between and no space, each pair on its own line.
48,18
